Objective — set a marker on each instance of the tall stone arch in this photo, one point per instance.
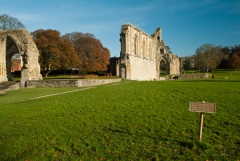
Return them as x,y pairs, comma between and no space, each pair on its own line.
21,42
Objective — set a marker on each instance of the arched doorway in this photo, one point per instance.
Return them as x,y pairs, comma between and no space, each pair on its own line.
163,67
11,52
16,66
123,71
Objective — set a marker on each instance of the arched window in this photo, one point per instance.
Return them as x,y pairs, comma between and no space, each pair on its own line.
144,49
136,45
150,51
158,39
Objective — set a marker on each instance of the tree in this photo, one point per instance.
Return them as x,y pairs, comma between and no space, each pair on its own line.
55,52
208,56
8,23
69,58
188,63
234,58
74,36
93,55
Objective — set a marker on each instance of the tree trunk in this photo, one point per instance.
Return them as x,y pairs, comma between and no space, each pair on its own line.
47,72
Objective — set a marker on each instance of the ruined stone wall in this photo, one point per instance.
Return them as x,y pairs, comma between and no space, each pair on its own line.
142,69
174,64
137,58
141,54
70,83
19,41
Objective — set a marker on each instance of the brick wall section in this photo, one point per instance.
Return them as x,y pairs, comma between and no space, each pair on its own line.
70,83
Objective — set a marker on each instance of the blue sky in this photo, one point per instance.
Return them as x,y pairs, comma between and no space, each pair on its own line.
186,24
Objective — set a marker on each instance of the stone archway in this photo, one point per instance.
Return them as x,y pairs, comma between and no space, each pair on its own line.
11,49
19,41
163,67
125,70
163,62
166,63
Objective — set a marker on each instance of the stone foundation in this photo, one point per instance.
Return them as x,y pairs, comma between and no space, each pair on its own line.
189,76
69,83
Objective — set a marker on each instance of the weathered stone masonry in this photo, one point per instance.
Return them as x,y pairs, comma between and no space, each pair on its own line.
141,55
19,41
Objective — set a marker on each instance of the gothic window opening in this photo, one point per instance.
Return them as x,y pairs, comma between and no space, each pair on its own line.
144,49
150,50
136,45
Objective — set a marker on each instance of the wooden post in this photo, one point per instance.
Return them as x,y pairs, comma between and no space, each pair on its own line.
200,126
202,107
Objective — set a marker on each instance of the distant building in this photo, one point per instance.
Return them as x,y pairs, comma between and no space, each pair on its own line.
16,63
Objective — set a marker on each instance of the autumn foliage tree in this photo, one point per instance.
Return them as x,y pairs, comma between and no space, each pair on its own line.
233,61
93,55
56,53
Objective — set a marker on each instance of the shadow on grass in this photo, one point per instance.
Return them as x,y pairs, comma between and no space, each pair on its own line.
190,144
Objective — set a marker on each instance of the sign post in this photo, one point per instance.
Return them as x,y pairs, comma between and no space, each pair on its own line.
202,107
200,126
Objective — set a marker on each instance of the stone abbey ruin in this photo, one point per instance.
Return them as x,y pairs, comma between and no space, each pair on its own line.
141,55
21,42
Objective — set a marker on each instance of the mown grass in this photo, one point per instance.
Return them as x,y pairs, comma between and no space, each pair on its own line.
123,121
224,74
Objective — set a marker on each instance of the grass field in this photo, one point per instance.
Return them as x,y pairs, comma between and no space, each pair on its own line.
123,121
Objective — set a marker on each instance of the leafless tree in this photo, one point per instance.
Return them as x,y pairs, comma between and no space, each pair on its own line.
7,23
208,56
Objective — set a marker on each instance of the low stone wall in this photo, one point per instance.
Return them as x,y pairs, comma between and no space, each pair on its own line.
9,85
70,83
190,76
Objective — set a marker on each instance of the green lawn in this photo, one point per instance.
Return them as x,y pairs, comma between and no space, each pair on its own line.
123,121
224,74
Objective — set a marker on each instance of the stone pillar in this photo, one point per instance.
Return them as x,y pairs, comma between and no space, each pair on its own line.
118,67
24,77
3,72
8,65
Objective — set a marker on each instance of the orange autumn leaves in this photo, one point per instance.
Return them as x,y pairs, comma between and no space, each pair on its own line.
73,50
